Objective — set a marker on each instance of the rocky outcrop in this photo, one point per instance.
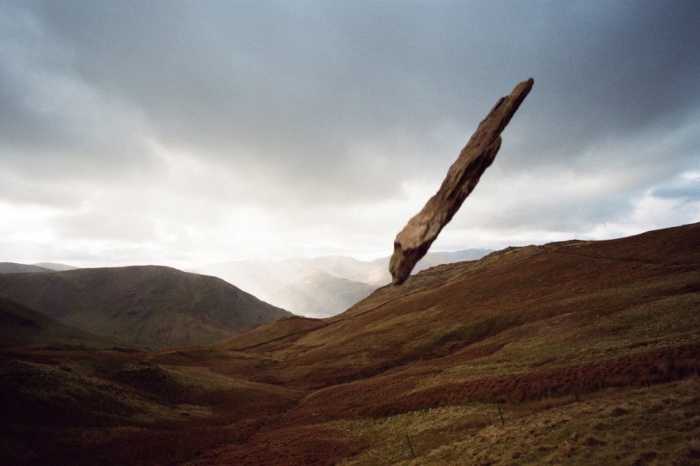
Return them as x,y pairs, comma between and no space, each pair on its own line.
413,242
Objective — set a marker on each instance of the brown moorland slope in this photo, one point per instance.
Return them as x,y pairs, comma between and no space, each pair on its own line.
20,326
568,353
523,326
66,404
142,305
478,307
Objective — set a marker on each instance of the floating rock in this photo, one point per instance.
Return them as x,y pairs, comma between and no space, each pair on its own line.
413,242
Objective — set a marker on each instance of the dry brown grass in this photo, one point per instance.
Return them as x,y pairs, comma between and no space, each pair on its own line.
62,405
658,425
589,350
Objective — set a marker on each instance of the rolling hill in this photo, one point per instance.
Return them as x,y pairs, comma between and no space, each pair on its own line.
460,307
570,342
145,305
20,326
576,352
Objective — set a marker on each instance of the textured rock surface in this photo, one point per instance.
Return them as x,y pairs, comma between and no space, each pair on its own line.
415,239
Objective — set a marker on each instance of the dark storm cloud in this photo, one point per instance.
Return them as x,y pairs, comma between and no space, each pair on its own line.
618,70
685,189
304,104
52,122
295,86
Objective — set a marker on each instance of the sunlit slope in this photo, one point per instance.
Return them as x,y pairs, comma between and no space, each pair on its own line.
573,352
149,305
575,300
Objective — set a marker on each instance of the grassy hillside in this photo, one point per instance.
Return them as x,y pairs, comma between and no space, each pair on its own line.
20,326
151,306
568,353
584,291
528,330
67,405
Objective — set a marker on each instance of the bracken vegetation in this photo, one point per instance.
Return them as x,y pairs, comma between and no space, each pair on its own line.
569,353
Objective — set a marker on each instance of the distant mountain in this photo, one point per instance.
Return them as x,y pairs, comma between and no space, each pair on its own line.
13,267
322,286
20,326
56,267
321,295
145,305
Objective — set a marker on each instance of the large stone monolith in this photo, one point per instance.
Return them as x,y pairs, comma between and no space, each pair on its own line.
415,239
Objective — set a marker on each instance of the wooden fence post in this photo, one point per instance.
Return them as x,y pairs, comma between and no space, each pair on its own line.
410,446
500,415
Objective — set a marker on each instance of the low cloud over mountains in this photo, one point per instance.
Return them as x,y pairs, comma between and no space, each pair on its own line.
323,286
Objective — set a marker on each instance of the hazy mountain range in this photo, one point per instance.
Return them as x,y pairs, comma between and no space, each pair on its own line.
577,352
323,286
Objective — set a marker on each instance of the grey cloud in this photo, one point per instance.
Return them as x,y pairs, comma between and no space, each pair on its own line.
289,89
311,104
292,86
685,190
616,72
552,205
54,123
98,224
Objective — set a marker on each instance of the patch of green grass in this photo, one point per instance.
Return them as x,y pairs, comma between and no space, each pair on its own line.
463,336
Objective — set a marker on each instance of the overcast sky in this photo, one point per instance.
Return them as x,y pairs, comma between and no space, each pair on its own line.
189,132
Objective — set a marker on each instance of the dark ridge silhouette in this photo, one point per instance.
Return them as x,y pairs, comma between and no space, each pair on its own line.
13,267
